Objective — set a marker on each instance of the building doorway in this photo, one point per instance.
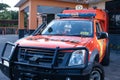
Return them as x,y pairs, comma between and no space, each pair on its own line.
113,9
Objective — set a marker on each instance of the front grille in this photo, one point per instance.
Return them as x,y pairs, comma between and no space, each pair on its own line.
39,56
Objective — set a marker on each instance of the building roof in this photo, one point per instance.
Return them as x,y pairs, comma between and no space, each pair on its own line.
20,3
75,1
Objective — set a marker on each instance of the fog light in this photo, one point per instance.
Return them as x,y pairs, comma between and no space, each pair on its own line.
6,63
68,78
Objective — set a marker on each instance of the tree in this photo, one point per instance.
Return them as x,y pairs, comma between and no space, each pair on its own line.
3,6
5,15
14,15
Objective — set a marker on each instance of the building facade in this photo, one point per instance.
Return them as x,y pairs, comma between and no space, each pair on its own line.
44,11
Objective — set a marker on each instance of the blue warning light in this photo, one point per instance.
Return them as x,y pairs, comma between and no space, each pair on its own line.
84,15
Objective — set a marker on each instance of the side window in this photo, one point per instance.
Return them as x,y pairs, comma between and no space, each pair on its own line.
98,29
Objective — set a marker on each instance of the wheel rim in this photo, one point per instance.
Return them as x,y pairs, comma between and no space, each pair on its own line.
95,75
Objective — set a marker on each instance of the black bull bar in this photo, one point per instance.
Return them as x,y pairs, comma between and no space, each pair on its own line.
12,59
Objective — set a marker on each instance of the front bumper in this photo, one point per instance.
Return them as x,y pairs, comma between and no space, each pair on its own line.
57,73
15,69
26,71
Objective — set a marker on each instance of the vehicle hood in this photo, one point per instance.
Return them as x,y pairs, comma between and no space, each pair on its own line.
54,41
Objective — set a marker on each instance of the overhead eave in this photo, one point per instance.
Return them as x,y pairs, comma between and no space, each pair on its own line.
84,1
75,1
20,3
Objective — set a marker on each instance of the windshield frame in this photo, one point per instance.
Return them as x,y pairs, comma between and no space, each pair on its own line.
91,22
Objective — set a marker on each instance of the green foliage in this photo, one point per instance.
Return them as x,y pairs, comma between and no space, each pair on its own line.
25,19
3,6
14,15
8,15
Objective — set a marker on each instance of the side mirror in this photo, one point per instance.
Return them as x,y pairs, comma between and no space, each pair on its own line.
50,30
102,35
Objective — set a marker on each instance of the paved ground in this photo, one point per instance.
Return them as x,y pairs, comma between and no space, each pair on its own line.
111,73
3,40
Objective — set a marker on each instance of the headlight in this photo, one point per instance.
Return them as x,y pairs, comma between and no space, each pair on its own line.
6,63
77,58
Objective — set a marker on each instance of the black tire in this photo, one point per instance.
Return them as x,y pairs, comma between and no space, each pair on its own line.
106,59
97,72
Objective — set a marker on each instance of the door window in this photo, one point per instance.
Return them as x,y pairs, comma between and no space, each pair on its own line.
98,29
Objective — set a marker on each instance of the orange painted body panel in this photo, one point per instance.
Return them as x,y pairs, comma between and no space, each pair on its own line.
100,15
54,41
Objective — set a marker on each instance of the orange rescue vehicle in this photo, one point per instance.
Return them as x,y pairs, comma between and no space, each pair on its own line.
73,47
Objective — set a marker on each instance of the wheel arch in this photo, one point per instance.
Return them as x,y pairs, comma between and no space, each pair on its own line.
106,59
94,56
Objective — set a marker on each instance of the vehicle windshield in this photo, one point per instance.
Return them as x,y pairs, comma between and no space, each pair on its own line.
69,28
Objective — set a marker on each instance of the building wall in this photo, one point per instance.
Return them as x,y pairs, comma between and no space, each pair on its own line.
100,5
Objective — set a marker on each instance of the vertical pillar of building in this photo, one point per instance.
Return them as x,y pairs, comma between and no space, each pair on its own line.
32,16
21,23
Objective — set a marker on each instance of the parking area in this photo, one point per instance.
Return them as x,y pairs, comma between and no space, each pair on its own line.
112,72
3,40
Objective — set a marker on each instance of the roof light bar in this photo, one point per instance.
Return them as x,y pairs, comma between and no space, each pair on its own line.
84,15
64,15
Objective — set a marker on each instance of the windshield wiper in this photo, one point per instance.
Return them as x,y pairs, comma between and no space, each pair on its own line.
54,34
79,35
66,35
58,34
